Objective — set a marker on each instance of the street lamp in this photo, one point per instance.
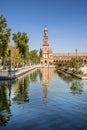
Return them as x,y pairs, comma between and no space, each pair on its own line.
68,56
9,54
76,59
76,53
22,60
9,65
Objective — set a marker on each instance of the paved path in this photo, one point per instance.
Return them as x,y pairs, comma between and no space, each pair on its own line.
84,69
5,74
25,69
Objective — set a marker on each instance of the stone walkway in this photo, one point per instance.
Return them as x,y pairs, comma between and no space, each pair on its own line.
5,74
24,70
84,69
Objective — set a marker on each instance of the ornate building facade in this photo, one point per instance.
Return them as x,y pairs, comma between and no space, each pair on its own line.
47,57
46,53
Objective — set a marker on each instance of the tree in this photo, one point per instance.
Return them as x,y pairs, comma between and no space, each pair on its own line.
4,37
71,66
34,58
76,63
21,41
15,55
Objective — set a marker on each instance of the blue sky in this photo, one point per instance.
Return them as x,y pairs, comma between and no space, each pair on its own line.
66,21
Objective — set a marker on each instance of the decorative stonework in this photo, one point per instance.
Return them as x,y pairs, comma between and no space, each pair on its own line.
47,57
46,53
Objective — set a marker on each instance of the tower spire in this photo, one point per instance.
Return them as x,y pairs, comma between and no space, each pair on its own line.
45,40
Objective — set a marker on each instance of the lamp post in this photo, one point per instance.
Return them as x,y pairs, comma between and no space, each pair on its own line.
22,60
9,65
68,56
76,59
9,54
76,53
68,61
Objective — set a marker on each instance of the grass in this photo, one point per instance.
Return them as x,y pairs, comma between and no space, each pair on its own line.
83,75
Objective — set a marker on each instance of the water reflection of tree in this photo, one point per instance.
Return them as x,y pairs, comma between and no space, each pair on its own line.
22,93
33,76
5,111
66,77
77,87
76,84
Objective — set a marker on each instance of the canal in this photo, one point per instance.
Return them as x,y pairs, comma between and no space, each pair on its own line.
43,100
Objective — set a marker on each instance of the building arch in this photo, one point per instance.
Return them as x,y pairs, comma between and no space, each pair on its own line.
45,61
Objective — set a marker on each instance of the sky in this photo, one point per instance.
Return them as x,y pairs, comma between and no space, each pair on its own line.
66,21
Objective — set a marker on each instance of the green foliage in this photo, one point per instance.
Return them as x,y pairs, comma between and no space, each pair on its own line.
4,37
22,92
66,77
34,58
33,76
76,63
73,65
15,55
5,112
76,87
21,41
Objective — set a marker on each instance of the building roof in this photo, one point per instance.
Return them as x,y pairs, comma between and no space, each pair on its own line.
70,54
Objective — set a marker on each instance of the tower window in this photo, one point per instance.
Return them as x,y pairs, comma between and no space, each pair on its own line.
45,61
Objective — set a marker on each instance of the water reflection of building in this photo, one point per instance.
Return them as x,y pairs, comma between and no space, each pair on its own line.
46,75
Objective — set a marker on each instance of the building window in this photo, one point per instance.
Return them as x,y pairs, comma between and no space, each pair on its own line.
45,61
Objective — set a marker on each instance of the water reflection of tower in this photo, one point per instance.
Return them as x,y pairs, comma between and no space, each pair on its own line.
47,74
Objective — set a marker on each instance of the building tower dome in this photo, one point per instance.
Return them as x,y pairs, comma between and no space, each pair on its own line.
45,40
45,31
45,28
